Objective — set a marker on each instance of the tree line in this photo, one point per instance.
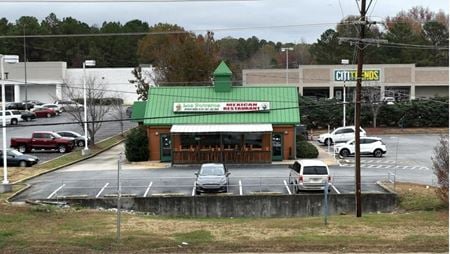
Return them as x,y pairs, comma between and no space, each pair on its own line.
182,57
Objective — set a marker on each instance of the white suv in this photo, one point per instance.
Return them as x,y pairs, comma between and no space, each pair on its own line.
341,134
368,145
12,116
309,175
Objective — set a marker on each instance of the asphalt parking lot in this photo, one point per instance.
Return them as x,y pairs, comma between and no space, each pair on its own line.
97,177
61,123
408,157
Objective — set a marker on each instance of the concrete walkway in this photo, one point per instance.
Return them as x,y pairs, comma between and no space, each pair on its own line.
108,160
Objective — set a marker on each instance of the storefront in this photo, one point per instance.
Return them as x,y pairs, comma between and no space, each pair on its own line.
222,123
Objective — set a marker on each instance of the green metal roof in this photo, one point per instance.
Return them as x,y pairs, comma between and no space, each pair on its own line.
283,105
138,111
222,69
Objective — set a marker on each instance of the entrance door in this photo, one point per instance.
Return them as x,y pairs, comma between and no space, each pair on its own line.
277,146
165,148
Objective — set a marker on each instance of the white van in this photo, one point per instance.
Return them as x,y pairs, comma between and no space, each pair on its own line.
309,175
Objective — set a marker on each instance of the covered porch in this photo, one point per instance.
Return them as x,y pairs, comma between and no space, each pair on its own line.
224,143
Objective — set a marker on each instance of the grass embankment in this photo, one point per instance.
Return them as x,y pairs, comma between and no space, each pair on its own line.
417,226
16,173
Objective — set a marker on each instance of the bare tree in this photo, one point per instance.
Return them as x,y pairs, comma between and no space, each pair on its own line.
96,112
440,167
372,98
118,110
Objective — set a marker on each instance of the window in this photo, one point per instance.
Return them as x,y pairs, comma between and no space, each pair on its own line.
315,170
37,135
297,167
349,130
254,140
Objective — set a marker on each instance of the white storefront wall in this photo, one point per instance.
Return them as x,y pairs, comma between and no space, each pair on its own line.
115,81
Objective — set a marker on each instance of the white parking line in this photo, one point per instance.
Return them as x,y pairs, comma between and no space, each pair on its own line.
100,192
148,189
54,192
240,187
335,189
193,189
287,187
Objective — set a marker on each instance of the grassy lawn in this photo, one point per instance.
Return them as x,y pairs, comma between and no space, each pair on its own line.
417,226
16,173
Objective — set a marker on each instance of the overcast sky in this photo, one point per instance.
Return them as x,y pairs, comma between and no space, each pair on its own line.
313,16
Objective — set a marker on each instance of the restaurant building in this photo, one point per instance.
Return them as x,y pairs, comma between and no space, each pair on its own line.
222,123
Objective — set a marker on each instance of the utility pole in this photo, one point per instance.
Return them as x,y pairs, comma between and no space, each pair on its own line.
360,43
360,58
25,68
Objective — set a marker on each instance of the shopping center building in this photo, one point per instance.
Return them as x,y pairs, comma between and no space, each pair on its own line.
401,81
222,123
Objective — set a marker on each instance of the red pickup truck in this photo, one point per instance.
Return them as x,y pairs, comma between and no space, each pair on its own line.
44,140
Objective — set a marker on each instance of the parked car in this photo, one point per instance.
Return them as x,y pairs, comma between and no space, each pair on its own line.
368,145
44,112
34,102
27,115
16,158
52,106
19,105
66,105
212,177
389,100
44,140
309,175
79,139
11,116
341,134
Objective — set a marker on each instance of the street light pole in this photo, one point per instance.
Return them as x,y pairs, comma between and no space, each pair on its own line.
85,151
287,62
5,187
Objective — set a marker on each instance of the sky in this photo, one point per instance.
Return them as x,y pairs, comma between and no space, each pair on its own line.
304,21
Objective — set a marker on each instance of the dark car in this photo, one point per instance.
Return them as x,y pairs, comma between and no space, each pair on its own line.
212,177
79,139
19,105
44,112
28,116
16,158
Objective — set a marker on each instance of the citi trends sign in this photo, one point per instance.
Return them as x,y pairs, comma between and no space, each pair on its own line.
350,75
220,106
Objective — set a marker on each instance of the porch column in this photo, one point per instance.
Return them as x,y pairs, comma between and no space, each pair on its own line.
58,92
412,93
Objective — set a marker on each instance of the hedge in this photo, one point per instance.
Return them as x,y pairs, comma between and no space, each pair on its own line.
431,112
306,150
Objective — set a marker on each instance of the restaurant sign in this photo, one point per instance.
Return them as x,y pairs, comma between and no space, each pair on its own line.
220,106
350,75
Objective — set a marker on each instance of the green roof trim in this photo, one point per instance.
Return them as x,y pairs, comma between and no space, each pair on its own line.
138,111
222,69
283,105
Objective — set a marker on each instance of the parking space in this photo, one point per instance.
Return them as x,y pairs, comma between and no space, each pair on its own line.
148,186
404,151
63,122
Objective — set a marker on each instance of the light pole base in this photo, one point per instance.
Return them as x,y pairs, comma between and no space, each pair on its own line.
5,187
85,152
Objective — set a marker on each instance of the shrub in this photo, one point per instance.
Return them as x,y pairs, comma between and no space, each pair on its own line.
306,150
136,145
